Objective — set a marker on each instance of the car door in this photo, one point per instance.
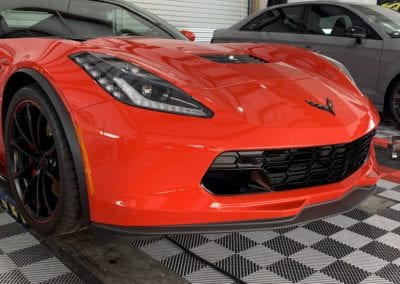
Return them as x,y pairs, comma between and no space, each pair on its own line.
325,26
279,25
282,25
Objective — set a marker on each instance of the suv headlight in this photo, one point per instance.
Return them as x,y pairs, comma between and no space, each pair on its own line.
135,86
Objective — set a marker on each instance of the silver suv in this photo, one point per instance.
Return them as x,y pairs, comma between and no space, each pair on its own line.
365,38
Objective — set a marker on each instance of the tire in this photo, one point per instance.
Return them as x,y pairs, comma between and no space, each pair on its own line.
40,168
394,103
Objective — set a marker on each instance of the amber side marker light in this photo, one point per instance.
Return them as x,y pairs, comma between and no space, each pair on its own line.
85,157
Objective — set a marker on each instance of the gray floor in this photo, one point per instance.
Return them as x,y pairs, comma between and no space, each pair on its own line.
23,259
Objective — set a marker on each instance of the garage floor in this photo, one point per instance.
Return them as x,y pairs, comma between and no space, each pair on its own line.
24,259
361,246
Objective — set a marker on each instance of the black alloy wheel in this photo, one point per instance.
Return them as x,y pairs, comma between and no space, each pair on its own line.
35,162
39,163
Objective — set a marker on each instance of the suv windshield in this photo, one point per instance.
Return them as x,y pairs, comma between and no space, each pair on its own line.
387,19
79,19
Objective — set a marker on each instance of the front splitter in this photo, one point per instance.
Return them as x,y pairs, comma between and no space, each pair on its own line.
347,203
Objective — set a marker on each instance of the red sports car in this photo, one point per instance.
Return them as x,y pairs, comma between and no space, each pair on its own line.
111,118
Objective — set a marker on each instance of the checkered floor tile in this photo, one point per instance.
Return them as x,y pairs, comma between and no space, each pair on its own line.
356,247
387,128
24,260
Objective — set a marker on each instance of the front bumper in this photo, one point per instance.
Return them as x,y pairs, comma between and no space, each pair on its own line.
145,169
319,211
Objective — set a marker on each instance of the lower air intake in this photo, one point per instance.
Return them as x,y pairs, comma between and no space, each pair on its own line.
278,170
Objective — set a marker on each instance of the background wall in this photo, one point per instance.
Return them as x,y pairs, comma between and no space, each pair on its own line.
200,17
263,3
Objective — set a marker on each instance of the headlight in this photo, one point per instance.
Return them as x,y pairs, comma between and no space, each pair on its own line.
339,65
135,86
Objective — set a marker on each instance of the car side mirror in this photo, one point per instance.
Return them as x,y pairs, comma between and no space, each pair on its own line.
356,32
189,35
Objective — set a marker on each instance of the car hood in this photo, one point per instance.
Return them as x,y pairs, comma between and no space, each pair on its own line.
190,64
273,93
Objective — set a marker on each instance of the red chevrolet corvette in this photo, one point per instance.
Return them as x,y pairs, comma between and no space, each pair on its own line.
111,118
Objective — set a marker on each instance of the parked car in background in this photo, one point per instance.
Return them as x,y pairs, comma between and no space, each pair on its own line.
365,38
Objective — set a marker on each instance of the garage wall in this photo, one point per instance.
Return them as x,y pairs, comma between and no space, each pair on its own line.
200,17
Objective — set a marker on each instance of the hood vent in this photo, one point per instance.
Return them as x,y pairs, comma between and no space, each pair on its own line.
234,59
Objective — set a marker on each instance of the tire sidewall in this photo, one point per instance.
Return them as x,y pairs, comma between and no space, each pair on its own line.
37,97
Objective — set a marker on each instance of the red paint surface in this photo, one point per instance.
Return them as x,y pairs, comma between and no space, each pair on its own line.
146,167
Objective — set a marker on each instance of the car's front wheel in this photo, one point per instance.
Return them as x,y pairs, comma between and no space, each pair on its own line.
40,168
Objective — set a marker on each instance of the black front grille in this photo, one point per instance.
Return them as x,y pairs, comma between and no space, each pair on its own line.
289,168
298,168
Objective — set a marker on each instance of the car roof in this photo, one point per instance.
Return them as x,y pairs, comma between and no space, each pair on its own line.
344,4
311,2
64,5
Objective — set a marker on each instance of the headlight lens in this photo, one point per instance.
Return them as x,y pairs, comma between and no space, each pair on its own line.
339,65
135,86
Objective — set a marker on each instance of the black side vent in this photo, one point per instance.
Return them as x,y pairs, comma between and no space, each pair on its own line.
234,58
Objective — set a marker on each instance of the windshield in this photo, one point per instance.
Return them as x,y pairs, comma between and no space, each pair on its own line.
386,19
79,19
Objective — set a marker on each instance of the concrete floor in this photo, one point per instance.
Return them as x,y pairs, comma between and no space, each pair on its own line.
99,262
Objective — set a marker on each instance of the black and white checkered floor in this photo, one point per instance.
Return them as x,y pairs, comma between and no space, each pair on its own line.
387,128
24,260
356,247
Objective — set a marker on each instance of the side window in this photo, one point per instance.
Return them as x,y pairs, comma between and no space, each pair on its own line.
331,20
23,19
280,20
120,21
127,23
